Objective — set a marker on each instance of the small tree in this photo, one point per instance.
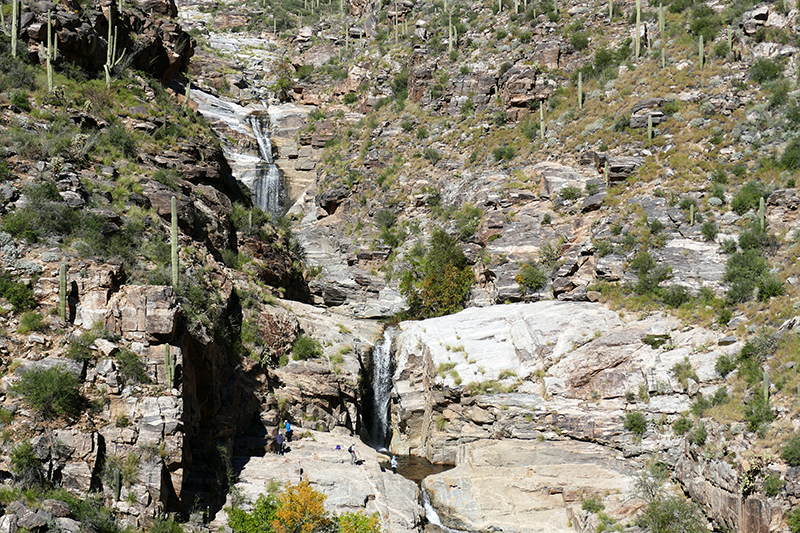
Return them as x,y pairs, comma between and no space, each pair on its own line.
301,510
26,467
672,514
54,392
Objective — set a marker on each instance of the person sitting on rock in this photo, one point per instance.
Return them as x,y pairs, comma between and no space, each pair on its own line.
394,464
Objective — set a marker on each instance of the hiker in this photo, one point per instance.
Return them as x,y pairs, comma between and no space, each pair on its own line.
279,441
288,431
352,450
394,464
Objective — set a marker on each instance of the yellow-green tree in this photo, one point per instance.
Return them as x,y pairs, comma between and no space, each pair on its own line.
359,522
301,510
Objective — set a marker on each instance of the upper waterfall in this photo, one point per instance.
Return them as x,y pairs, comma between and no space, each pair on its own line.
268,193
381,388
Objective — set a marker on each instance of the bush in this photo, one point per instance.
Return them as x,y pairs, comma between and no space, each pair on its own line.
699,435
720,397
25,465
742,271
682,425
579,40
259,520
504,153
468,220
350,98
54,392
385,218
31,321
793,519
19,295
648,273
530,129
747,196
359,522
121,139
570,193
130,367
80,347
531,277
765,69
672,514
305,347
791,450
709,230
676,295
593,504
773,485
432,155
700,406
683,372
769,287
758,413
19,98
300,510
635,422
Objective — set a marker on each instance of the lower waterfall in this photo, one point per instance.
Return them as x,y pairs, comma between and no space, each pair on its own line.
382,369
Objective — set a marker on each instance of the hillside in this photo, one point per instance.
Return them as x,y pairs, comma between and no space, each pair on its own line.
579,220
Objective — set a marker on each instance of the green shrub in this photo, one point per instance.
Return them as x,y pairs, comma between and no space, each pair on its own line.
593,504
438,280
31,321
570,193
709,230
773,485
699,435
20,98
747,196
25,465
19,295
635,422
504,153
648,273
468,220
54,392
682,425
579,41
769,287
700,406
758,413
672,514
350,98
683,372
720,397
305,347
742,271
725,365
791,450
79,347
793,519
530,129
765,69
705,22
121,139
385,218
131,367
676,295
531,277
432,155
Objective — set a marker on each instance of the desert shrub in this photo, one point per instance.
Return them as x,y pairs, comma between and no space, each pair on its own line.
504,153
773,485
743,270
19,295
709,230
791,450
705,22
385,218
350,98
131,367
676,295
672,514
25,465
530,129
593,504
648,273
432,155
765,69
20,98
468,220
720,397
579,40
531,277
258,520
769,287
635,422
747,196
570,193
305,347
683,372
793,519
79,347
699,435
31,321
121,139
682,425
700,406
53,392
438,280
758,413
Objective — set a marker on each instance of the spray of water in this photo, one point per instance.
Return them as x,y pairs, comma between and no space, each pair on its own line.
268,193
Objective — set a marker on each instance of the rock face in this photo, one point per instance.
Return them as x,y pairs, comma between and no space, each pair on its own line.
518,486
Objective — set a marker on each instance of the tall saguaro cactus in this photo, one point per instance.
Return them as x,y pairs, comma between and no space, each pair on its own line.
169,366
701,58
661,18
51,53
14,27
112,60
541,120
761,213
174,240
62,292
580,90
637,38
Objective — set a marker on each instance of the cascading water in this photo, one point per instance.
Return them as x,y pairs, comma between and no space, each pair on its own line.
381,388
268,193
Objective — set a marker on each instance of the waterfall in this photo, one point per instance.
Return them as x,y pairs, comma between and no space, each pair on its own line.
268,193
381,388
430,513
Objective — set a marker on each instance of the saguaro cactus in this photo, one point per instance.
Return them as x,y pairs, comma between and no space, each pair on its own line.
661,18
649,127
580,90
111,54
117,483
174,241
62,292
605,172
766,385
51,53
169,366
761,213
14,27
541,120
638,39
610,9
700,51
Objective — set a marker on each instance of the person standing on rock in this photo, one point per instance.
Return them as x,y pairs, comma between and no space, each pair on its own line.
288,431
394,464
352,450
279,441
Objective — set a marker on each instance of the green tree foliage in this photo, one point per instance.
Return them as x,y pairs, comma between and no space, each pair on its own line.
747,197
19,295
54,392
648,273
672,514
259,520
305,347
25,465
439,279
791,451
635,422
531,277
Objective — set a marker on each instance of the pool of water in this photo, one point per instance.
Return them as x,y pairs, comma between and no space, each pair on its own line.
413,467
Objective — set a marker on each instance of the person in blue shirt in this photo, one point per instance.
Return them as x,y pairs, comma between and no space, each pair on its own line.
394,464
288,431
